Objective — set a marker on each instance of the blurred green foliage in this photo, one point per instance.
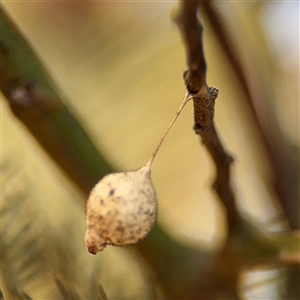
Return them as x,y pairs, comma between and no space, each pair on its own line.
120,65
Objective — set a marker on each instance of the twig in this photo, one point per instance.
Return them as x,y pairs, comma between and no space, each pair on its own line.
204,100
191,31
281,154
284,158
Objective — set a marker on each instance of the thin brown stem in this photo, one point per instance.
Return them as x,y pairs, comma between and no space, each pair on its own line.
191,32
220,279
204,101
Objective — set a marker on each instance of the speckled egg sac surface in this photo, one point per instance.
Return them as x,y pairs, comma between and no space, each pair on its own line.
121,210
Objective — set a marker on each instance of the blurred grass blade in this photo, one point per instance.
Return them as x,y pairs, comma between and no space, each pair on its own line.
19,295
24,296
22,245
101,293
65,290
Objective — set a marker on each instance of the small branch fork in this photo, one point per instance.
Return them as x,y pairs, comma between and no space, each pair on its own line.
204,101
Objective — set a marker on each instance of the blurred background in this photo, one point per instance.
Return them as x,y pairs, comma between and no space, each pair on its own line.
119,66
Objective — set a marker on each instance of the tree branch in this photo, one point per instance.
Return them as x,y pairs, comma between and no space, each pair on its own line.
204,100
34,100
284,157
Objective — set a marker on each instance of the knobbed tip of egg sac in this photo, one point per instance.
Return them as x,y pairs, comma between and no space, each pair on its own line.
93,242
121,210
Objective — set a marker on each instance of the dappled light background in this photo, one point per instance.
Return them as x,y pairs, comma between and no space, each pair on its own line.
120,66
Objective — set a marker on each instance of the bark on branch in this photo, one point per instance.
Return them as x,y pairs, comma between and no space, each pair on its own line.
204,101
